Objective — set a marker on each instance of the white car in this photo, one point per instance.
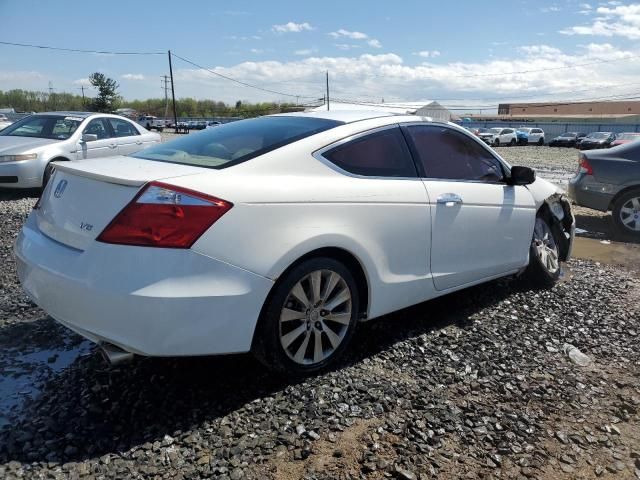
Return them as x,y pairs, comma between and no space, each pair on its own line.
531,135
277,235
150,122
29,146
499,136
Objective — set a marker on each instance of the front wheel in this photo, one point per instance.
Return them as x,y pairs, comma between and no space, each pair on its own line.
541,142
496,142
544,255
309,318
626,214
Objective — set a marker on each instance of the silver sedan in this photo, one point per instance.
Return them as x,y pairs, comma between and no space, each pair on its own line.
28,146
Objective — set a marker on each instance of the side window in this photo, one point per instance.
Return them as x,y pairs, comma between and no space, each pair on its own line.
99,127
380,154
122,128
450,155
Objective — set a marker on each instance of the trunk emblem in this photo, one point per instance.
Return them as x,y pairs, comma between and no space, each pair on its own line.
62,184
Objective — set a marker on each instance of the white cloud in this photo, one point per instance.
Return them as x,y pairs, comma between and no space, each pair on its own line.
304,52
428,53
386,75
133,76
342,33
345,46
611,21
291,27
256,50
82,82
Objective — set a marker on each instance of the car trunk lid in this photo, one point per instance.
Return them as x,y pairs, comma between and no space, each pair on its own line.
81,198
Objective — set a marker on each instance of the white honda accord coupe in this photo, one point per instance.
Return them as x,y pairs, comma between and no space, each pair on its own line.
277,235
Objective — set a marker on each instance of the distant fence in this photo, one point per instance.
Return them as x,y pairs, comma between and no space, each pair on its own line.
553,129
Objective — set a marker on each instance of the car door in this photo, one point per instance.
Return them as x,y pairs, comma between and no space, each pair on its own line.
126,135
481,227
104,146
382,179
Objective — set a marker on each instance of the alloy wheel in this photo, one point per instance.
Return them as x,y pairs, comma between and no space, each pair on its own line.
545,246
630,214
315,317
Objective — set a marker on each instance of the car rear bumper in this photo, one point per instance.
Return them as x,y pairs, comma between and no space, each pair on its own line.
21,174
148,301
587,192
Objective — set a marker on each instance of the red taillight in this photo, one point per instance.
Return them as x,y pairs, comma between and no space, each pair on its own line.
585,166
166,216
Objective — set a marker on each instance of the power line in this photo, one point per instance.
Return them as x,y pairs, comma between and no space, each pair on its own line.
77,50
240,82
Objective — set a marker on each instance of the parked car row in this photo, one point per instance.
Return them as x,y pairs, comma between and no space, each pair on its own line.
4,121
498,136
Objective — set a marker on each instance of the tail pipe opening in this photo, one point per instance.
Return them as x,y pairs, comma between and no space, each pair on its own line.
115,355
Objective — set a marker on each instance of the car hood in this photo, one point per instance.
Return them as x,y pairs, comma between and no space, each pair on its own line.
16,145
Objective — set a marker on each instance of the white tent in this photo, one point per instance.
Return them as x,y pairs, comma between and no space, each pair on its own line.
437,112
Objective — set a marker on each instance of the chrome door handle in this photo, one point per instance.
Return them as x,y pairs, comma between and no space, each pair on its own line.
449,199
138,142
113,145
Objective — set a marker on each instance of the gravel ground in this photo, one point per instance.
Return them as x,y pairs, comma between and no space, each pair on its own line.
473,385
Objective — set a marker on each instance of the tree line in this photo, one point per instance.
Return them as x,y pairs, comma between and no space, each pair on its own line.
34,101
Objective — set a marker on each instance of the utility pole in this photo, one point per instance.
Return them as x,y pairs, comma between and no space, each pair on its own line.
165,85
82,88
327,89
51,97
173,94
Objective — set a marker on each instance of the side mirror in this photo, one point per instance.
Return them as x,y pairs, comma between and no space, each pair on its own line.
89,137
522,176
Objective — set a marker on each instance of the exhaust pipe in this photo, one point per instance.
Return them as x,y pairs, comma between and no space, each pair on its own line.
115,355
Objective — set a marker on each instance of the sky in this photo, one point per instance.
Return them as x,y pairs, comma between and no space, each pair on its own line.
462,53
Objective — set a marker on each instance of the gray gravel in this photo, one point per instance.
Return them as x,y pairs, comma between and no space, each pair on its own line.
473,385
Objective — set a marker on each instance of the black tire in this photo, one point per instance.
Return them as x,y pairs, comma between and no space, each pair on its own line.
267,345
538,272
631,229
496,142
148,126
160,129
512,143
541,142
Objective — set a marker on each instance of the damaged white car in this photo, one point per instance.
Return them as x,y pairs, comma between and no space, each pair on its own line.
277,235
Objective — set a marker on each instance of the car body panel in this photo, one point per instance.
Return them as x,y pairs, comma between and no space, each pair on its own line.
614,170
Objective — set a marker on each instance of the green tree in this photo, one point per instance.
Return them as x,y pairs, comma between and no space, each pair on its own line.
107,99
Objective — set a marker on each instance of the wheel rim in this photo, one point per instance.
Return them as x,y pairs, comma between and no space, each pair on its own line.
315,317
630,214
545,245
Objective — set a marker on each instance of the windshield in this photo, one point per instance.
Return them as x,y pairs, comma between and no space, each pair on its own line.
236,142
54,127
598,135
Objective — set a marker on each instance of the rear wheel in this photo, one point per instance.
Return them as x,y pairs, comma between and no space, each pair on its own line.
309,319
626,214
541,142
544,255
512,143
496,142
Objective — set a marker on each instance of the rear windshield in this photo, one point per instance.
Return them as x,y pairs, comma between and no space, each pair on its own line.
628,136
53,127
235,142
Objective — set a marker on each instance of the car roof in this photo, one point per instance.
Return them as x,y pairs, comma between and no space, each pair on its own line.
69,113
345,116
